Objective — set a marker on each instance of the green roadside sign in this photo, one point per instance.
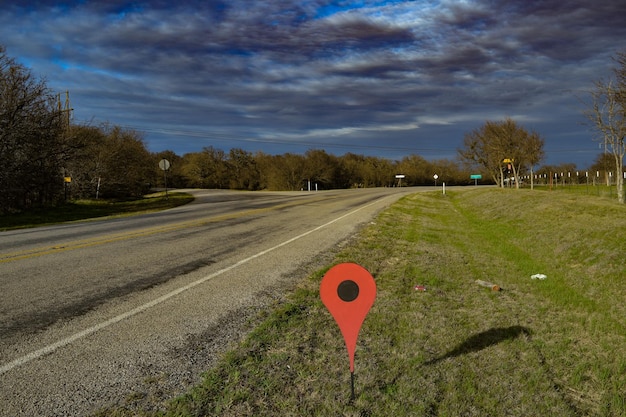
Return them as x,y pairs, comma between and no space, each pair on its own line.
475,177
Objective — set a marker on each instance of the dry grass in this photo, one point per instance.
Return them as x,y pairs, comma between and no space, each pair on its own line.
553,347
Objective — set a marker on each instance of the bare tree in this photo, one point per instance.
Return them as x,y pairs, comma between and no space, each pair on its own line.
604,164
351,170
533,154
127,166
481,149
206,169
378,172
289,169
620,73
503,146
242,169
320,168
86,165
607,113
32,150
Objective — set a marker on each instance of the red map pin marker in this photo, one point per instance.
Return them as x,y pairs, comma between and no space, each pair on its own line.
348,291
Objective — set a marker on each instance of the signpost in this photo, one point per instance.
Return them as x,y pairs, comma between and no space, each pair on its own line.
348,291
435,177
399,177
164,164
67,181
476,177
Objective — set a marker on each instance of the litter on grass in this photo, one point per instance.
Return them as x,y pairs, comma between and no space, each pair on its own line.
494,287
538,276
419,288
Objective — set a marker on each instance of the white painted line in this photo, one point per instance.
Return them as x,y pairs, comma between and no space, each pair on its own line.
76,336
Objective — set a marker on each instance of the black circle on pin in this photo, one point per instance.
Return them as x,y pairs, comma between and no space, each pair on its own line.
348,290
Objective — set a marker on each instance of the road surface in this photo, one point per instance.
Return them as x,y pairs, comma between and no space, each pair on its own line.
132,310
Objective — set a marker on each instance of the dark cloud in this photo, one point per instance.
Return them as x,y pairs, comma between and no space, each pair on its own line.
376,77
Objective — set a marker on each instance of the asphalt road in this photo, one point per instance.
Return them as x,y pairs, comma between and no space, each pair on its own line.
131,311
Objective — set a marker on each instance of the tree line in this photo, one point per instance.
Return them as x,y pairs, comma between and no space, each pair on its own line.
316,169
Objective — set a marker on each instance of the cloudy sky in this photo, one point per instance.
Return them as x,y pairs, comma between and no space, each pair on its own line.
376,77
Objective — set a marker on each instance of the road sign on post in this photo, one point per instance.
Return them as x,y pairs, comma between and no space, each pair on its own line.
67,181
164,164
348,291
476,177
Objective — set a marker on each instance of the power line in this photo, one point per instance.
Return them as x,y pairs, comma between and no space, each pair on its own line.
228,138
223,137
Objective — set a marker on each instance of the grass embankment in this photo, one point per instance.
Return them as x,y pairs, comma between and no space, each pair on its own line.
539,347
90,209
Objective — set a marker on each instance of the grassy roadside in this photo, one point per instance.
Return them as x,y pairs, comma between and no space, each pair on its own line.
538,347
90,209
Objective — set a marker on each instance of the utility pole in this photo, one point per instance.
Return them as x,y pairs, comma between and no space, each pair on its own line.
65,113
65,110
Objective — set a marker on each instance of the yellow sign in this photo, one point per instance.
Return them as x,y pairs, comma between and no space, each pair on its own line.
67,179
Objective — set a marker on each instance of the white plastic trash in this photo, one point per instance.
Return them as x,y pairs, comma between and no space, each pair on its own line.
538,276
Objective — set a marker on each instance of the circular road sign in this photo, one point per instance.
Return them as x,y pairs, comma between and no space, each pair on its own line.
164,164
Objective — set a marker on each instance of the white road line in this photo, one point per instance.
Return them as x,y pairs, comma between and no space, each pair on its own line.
76,336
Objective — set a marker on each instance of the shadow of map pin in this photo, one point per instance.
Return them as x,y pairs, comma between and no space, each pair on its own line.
348,291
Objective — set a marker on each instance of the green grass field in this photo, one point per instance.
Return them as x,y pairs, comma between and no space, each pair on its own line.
536,348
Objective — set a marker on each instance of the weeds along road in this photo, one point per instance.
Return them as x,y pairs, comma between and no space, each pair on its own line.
131,310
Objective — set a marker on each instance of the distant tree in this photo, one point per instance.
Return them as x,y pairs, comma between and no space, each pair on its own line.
32,144
194,170
557,173
607,114
242,170
351,171
321,168
86,165
448,171
604,163
378,172
534,153
127,166
290,171
206,169
280,172
265,164
483,149
418,171
503,149
109,162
